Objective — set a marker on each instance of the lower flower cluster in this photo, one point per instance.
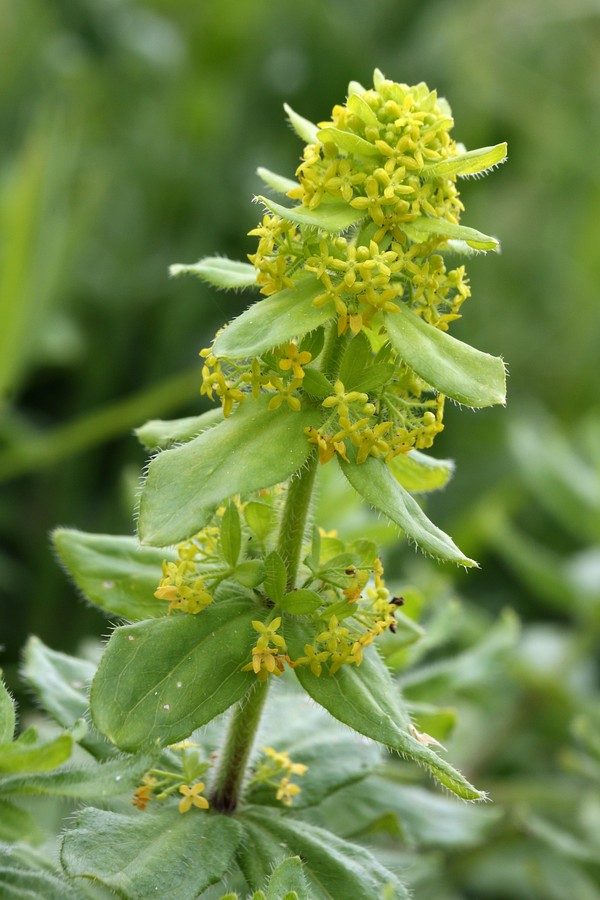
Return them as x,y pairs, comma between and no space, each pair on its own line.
349,604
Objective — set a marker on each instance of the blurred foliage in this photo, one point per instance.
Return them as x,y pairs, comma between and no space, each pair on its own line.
132,133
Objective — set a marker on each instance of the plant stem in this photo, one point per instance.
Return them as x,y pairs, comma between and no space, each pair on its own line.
245,717
240,735
293,520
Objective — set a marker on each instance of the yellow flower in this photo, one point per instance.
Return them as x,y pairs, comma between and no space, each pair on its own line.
191,797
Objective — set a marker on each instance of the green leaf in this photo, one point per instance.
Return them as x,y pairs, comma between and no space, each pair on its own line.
158,433
279,183
250,573
17,824
333,217
288,877
316,384
365,698
333,867
161,679
7,714
300,602
335,756
451,367
274,321
423,819
231,534
359,106
60,683
276,577
348,142
423,228
260,518
419,473
357,357
219,271
18,883
158,854
303,128
185,485
113,571
473,162
92,782
23,755
376,484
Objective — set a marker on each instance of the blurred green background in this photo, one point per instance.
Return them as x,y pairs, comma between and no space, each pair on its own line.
131,135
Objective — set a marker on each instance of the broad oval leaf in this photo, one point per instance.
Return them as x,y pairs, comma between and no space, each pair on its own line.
472,162
114,572
333,867
231,534
158,854
424,227
253,449
419,473
377,485
303,127
333,217
365,698
456,369
218,271
159,433
161,679
274,321
279,183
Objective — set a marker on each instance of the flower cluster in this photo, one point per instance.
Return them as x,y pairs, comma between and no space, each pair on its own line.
276,770
159,784
266,659
182,586
404,416
363,614
383,161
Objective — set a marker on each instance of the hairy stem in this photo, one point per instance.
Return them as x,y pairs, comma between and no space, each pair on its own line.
233,759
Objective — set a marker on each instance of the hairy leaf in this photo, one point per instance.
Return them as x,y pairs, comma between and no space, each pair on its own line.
279,183
472,162
333,217
365,698
218,271
158,854
303,127
450,366
113,571
253,449
376,484
158,433
333,867
274,321
161,679
418,473
7,714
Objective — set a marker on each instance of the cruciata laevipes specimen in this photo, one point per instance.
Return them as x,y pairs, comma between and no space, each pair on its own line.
344,359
